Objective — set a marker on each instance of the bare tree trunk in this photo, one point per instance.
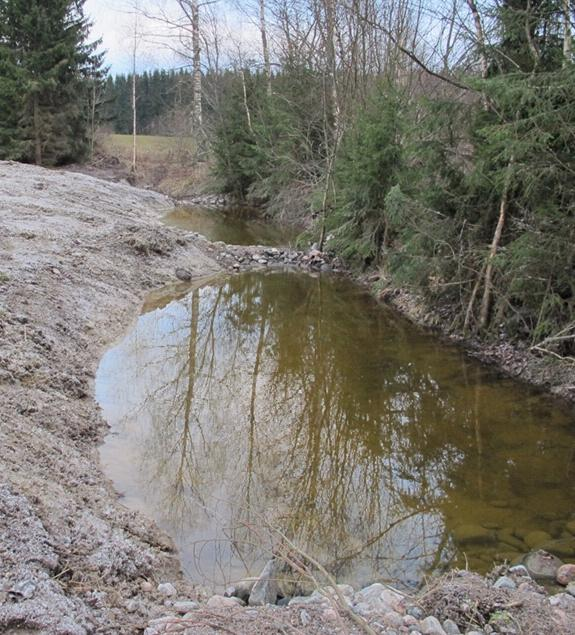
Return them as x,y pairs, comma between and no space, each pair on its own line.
480,35
567,37
265,47
197,68
245,98
329,6
37,135
487,289
93,119
134,110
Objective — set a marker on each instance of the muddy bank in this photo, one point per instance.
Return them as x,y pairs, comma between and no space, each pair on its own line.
76,258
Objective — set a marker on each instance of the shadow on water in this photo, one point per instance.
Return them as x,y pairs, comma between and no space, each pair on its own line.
234,226
298,402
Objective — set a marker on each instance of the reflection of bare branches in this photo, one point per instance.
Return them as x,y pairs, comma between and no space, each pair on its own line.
297,401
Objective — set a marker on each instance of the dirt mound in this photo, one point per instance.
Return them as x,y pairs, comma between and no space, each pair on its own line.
76,255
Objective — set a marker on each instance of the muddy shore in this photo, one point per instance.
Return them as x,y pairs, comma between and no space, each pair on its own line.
77,257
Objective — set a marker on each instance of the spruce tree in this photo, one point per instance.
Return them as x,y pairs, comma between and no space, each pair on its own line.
47,69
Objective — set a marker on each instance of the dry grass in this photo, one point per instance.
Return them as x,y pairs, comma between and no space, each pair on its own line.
167,164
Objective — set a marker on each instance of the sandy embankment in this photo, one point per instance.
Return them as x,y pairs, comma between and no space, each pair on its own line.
77,255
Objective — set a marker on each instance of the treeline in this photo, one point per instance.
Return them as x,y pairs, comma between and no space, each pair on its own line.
49,79
451,170
162,102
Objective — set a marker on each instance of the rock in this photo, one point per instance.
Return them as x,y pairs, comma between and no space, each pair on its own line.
571,588
519,570
185,606
565,574
563,601
415,612
409,620
451,628
536,539
167,589
346,590
380,598
147,587
505,582
314,598
265,589
469,534
431,626
183,274
241,589
541,564
23,590
221,602
393,619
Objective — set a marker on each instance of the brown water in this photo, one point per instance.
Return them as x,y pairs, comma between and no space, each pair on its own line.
297,402
234,226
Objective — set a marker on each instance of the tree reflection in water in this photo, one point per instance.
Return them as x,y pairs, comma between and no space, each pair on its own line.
297,402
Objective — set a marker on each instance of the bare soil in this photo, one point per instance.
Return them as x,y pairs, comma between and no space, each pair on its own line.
77,255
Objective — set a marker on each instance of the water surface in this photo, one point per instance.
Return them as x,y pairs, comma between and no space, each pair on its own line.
234,226
297,402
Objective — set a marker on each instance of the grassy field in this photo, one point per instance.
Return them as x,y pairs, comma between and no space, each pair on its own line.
148,147
168,164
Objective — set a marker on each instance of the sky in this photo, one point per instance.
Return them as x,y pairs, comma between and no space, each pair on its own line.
113,21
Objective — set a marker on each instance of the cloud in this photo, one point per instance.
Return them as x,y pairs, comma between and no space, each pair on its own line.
113,22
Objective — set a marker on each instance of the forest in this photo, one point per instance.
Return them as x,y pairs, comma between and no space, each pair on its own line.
430,142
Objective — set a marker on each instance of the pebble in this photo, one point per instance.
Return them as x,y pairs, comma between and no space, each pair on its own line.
167,588
505,582
393,619
24,589
185,606
451,628
566,574
409,620
520,570
221,602
147,587
431,626
379,598
415,612
183,274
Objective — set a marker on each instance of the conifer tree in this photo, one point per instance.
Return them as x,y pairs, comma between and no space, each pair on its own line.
47,69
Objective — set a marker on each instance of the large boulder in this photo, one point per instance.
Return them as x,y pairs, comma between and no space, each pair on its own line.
266,589
541,564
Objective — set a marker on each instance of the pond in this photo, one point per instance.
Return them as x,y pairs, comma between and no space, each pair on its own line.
234,226
285,402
